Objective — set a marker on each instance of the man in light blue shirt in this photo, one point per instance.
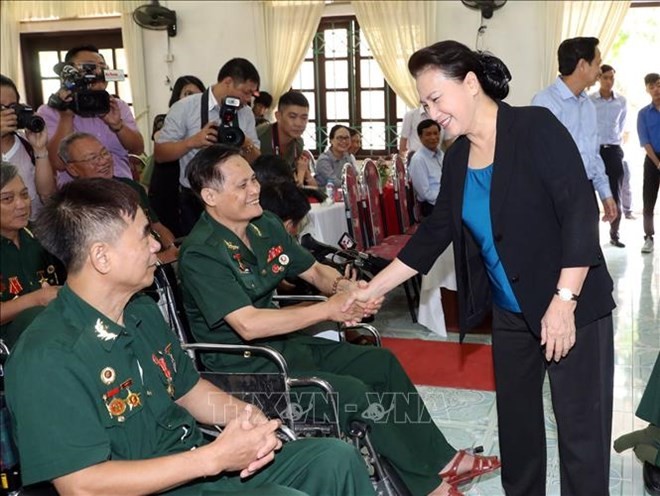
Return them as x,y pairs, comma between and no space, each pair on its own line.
579,66
183,134
425,167
611,117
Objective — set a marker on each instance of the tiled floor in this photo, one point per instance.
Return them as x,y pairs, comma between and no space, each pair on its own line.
468,418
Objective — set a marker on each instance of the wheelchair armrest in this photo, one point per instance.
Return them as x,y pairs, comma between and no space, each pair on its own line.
243,349
300,298
324,386
369,330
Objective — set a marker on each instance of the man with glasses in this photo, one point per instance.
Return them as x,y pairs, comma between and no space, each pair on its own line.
84,157
117,129
192,124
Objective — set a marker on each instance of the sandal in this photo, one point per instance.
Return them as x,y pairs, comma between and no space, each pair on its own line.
480,466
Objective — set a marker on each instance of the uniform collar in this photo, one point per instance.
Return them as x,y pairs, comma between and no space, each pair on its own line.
565,92
259,238
93,324
23,234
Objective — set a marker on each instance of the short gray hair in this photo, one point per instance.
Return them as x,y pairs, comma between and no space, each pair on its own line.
7,173
65,144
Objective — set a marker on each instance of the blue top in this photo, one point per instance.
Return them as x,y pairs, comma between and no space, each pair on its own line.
425,172
648,127
578,115
611,113
476,215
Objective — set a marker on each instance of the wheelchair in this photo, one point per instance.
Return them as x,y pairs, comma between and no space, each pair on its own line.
273,392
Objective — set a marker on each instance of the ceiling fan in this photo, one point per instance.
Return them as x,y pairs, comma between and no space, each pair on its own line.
487,7
155,16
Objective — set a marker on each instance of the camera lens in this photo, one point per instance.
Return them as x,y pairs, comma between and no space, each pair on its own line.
35,124
231,136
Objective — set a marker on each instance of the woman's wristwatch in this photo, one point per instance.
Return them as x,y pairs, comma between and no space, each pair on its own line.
565,294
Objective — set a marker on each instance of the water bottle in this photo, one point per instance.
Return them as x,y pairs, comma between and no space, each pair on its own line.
330,192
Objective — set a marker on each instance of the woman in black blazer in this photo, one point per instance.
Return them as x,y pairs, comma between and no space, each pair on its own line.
517,205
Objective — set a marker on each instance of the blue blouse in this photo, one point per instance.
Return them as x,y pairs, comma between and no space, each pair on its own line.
476,216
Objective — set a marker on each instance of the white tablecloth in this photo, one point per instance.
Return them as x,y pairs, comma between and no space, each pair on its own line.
441,275
327,222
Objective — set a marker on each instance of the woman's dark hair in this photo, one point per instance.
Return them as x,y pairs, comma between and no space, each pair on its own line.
272,169
5,81
336,128
180,83
286,200
455,60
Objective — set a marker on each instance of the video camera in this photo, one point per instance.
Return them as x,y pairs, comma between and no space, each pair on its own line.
228,131
84,102
26,119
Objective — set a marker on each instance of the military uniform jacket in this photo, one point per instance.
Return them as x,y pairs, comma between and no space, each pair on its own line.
82,389
220,274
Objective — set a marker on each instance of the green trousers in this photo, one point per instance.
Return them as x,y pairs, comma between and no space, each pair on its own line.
314,467
371,387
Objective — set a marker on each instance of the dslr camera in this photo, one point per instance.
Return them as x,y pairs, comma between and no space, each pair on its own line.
26,119
84,102
228,130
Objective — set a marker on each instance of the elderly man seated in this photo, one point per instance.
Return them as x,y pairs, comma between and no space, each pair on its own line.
85,157
105,401
230,265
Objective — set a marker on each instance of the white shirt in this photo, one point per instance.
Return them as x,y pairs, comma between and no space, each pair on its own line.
19,157
425,171
409,127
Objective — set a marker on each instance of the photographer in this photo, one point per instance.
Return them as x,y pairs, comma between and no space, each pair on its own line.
25,150
189,128
116,129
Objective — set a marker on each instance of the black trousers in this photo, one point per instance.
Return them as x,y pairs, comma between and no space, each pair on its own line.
191,209
612,155
650,194
581,389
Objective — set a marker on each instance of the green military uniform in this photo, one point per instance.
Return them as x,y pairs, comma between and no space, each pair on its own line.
144,198
219,275
22,271
649,406
83,390
270,145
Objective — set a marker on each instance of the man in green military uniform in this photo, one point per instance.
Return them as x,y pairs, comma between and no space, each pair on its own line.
284,137
230,265
85,157
29,277
104,400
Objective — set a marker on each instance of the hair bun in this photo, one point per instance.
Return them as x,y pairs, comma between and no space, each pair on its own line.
496,76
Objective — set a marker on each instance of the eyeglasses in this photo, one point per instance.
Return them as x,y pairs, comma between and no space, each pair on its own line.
101,156
342,138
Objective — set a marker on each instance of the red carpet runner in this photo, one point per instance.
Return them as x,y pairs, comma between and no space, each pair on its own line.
438,363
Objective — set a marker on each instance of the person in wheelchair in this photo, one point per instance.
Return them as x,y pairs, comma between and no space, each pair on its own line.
104,400
230,265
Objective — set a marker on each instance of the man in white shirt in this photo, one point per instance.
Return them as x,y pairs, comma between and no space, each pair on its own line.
409,141
184,134
425,167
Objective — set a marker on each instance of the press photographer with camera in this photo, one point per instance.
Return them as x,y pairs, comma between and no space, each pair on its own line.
83,105
23,142
221,114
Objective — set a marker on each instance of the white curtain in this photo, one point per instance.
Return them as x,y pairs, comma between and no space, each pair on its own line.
289,27
568,19
395,30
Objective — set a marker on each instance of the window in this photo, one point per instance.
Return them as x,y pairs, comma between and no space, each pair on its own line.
41,51
344,85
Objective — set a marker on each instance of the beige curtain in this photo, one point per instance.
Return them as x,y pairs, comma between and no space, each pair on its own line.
394,30
568,19
131,35
289,27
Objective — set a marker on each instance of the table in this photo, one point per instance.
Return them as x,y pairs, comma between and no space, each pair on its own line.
442,274
327,222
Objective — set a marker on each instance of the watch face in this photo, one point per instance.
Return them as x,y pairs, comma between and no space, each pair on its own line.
565,294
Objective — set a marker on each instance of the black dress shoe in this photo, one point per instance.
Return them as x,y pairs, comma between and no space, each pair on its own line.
617,243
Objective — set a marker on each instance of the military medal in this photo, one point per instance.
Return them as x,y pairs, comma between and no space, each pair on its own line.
162,364
108,376
241,266
133,399
277,269
116,407
114,391
273,253
42,277
15,287
51,270
284,259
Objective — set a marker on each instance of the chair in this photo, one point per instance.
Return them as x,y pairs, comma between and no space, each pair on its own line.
353,198
402,192
381,246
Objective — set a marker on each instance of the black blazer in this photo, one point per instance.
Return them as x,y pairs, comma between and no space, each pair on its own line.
544,217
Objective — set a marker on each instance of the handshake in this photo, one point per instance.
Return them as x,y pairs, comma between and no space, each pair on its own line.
352,302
